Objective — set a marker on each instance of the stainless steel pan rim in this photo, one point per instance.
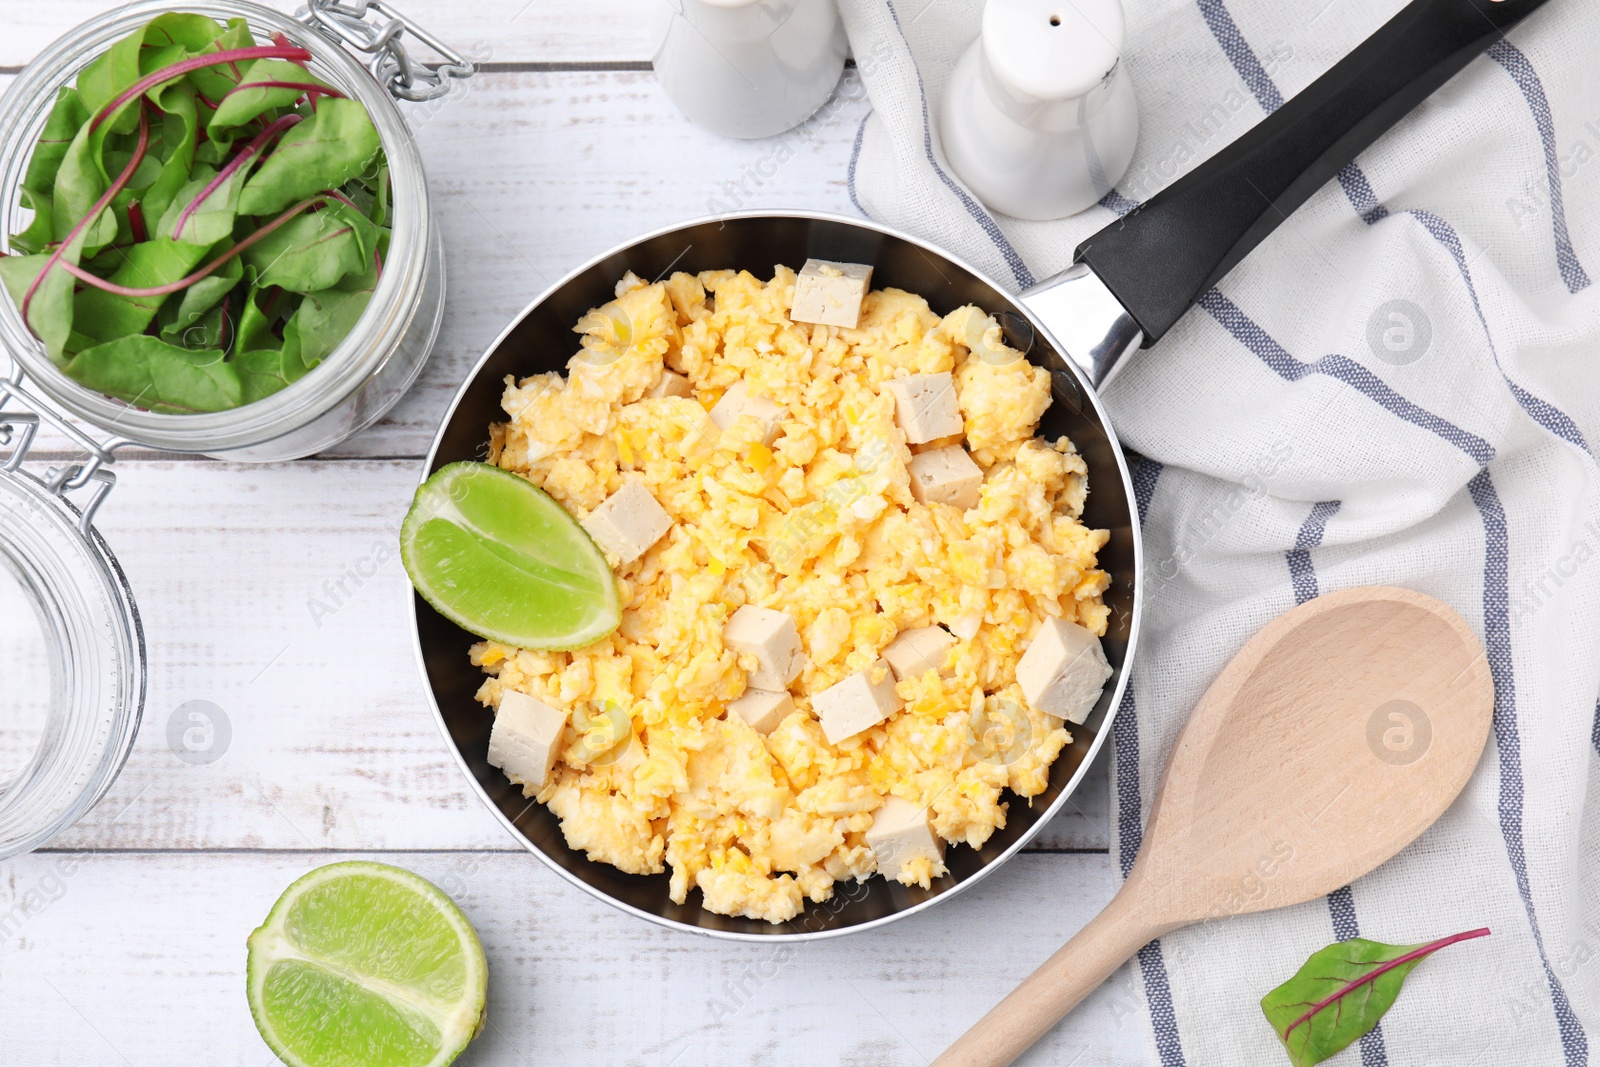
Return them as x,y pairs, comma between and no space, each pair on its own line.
1086,392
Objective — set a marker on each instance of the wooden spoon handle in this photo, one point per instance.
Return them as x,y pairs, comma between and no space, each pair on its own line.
1062,982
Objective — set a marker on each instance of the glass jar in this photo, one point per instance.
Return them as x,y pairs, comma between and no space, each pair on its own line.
91,641
374,366
66,611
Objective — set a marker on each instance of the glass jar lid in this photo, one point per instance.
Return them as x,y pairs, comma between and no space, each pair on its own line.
91,641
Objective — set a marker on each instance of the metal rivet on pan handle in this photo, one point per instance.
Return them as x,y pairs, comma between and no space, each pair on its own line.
20,418
373,26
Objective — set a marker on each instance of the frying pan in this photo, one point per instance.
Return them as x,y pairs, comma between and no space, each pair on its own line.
1129,284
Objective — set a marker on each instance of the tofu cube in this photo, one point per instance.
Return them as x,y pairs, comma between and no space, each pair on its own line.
925,406
763,709
916,652
737,402
526,738
831,294
966,625
858,703
772,638
629,522
671,383
1063,670
946,476
901,832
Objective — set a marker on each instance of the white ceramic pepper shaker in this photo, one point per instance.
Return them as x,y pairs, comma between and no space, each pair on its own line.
1039,119
750,68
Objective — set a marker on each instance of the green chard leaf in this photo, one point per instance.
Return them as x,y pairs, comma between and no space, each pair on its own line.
213,220
50,313
370,192
108,75
255,321
200,299
40,231
106,316
325,319
211,330
66,117
311,251
1341,993
265,371
214,83
179,120
323,152
79,184
367,235
244,104
164,40
150,373
178,29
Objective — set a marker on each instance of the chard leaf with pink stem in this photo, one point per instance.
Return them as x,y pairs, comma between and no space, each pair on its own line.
264,85
214,83
1342,992
324,152
204,210
46,302
67,116
105,316
314,251
200,298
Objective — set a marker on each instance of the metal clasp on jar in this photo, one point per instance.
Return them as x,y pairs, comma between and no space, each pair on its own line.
402,76
20,425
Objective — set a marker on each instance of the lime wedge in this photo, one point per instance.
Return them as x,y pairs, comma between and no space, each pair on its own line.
366,965
496,556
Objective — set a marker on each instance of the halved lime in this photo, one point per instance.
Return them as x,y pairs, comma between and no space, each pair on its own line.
496,556
366,965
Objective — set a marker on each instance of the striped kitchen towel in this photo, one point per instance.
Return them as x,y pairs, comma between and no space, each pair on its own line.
1401,386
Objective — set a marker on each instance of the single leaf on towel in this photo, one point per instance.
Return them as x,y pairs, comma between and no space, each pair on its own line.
1342,992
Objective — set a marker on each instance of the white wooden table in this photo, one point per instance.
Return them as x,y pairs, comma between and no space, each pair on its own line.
131,944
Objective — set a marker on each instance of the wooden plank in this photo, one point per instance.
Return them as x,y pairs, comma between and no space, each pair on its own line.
532,174
493,31
273,592
120,959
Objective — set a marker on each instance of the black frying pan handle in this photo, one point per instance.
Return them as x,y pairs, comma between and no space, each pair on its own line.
1165,255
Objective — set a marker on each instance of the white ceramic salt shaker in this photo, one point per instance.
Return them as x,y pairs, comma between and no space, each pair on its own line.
1039,119
750,68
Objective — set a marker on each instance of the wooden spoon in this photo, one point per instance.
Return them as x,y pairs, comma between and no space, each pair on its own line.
1335,737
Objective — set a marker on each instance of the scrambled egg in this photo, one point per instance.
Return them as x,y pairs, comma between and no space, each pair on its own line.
822,525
